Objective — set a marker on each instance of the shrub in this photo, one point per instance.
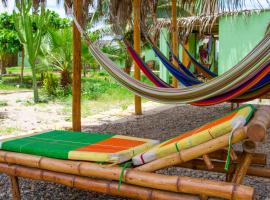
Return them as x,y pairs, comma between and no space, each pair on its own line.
50,84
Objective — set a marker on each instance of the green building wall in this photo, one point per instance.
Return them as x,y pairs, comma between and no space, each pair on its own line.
238,35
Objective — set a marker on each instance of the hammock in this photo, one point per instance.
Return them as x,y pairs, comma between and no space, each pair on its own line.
246,69
181,65
177,73
145,69
259,86
153,77
183,75
184,79
208,73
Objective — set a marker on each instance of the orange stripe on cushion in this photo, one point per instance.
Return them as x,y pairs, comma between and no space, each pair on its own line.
202,128
111,145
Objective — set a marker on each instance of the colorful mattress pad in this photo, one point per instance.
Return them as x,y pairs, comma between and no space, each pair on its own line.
219,127
70,145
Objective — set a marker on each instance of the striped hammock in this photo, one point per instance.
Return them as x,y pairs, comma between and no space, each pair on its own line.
232,84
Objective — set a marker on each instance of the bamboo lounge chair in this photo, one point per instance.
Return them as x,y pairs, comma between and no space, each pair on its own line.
142,182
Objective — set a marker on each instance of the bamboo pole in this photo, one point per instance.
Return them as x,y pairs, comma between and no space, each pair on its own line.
203,197
249,148
207,161
76,81
131,176
137,48
185,57
221,154
257,128
194,152
243,168
198,164
102,186
15,188
174,38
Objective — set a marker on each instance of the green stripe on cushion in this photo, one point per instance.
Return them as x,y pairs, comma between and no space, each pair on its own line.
54,144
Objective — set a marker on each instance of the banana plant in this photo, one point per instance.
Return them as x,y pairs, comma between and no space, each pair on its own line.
31,29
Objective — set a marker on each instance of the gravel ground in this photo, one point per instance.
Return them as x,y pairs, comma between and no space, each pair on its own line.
161,123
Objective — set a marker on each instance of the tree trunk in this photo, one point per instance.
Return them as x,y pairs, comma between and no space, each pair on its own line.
65,78
128,64
35,87
22,67
3,65
84,70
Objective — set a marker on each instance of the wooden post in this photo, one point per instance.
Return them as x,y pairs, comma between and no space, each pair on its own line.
76,81
185,57
174,37
15,189
137,47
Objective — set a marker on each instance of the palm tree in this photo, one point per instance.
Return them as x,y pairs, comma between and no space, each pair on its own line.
56,52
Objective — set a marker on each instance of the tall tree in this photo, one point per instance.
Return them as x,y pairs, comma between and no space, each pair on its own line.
9,41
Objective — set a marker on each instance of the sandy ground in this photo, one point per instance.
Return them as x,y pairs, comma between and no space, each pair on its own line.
158,122
20,116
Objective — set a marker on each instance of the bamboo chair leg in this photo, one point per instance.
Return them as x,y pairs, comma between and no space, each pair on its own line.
242,169
249,148
208,162
203,197
15,188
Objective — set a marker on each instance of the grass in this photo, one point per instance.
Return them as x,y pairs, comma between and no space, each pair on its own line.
100,92
17,70
13,83
3,103
8,130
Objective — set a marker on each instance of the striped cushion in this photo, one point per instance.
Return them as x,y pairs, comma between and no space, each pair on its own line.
197,136
80,146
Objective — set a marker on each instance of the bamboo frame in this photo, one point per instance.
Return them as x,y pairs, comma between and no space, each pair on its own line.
253,170
249,148
242,168
69,172
131,176
15,189
258,126
102,186
207,161
221,154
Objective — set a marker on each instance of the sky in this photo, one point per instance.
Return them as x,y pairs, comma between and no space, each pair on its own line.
52,5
